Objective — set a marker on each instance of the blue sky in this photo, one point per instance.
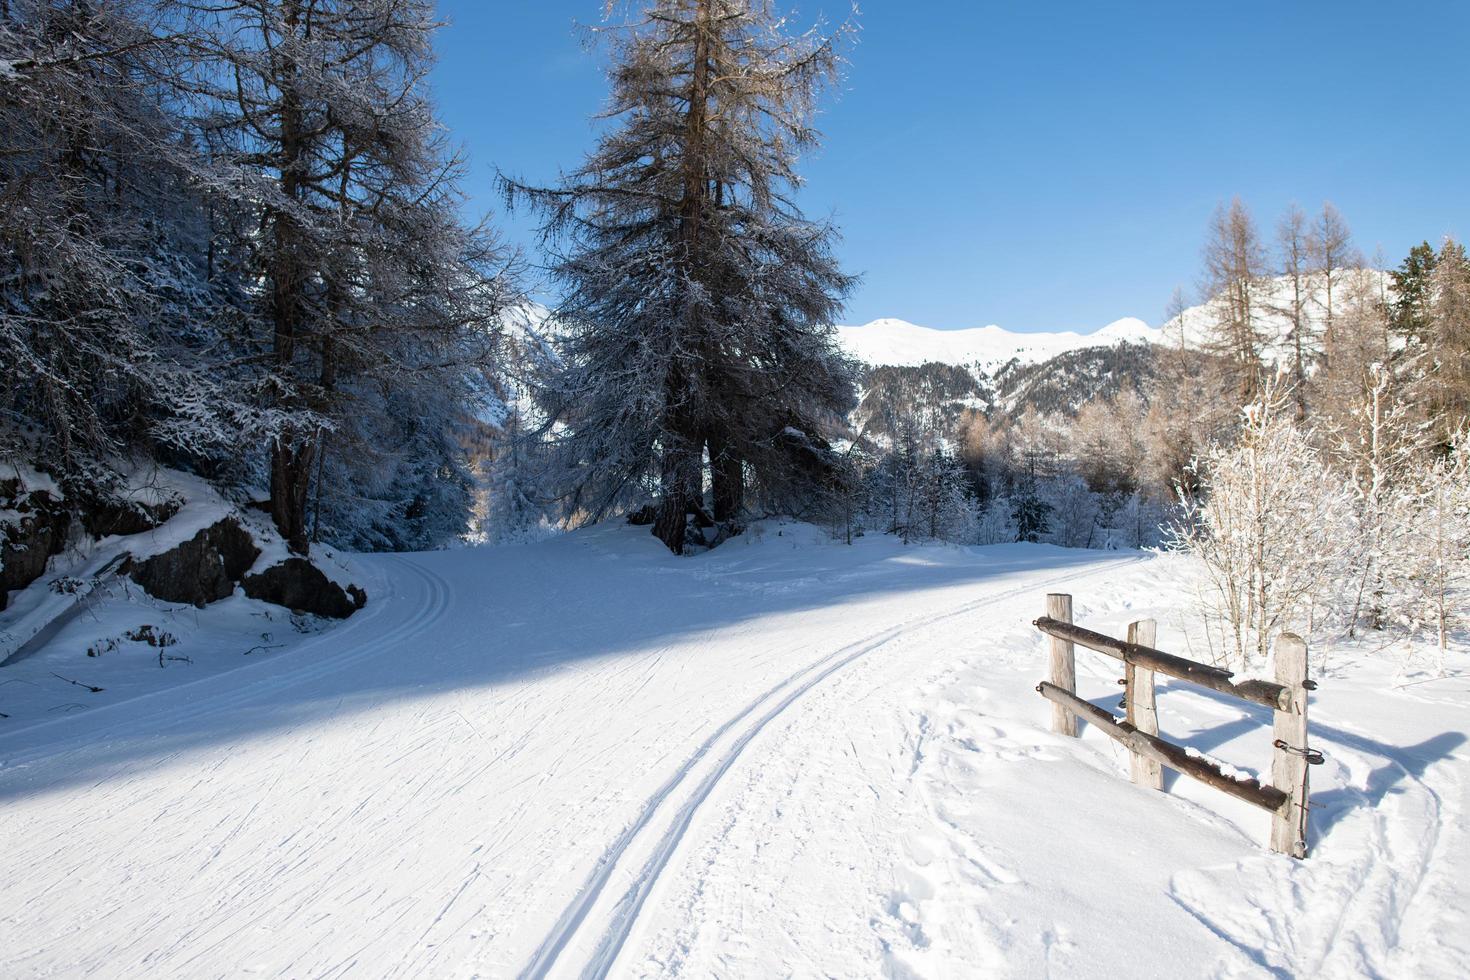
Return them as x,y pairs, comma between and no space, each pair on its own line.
1043,165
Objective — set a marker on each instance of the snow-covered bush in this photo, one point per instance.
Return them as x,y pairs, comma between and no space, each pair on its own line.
1269,528
995,526
1073,512
1427,558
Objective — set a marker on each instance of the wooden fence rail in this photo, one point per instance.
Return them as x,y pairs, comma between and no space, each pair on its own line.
1286,798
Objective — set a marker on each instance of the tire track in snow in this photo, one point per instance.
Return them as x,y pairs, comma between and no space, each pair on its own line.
794,685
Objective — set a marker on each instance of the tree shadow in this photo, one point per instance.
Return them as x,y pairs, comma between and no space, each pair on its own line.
478,620
1329,806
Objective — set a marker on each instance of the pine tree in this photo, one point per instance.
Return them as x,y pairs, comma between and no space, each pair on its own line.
1413,291
322,133
698,299
1029,513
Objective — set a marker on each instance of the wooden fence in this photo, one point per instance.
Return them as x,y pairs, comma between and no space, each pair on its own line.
1286,798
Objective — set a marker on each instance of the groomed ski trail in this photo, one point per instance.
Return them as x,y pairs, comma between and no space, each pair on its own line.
624,916
257,683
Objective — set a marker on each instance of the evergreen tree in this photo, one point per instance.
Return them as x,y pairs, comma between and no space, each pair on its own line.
1030,515
698,299
1413,291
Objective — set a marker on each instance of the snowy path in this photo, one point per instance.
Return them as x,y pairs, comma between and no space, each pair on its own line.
585,757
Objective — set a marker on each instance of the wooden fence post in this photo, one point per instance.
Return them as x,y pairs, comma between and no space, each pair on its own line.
1289,763
1063,664
1142,706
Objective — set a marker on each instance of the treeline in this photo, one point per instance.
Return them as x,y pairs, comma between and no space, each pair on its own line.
230,243
1372,366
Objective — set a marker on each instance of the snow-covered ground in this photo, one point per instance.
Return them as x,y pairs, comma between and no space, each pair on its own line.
785,757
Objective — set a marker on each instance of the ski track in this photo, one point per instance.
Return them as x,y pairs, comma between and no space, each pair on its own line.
478,828
242,690
626,913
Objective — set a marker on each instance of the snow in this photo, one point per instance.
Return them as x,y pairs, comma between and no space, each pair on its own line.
30,479
98,595
897,342
900,343
782,757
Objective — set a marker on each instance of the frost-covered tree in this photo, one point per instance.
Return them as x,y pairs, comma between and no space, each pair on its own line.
1332,256
1428,558
318,123
111,324
1235,263
1269,531
1072,512
697,298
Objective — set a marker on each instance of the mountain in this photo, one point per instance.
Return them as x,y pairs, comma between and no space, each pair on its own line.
936,375
904,344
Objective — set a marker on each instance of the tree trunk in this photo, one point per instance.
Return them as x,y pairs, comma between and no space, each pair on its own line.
727,473
292,451
290,486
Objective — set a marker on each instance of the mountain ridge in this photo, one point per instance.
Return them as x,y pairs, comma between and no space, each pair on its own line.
897,342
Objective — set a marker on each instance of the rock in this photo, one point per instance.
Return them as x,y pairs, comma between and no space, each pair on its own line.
113,515
29,542
299,585
201,570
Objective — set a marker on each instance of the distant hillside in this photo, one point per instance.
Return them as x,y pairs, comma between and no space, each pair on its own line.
897,342
934,375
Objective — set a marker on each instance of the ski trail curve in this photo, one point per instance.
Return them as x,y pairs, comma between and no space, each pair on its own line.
186,703
786,692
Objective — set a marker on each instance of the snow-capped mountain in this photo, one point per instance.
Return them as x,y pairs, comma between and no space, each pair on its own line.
903,344
898,343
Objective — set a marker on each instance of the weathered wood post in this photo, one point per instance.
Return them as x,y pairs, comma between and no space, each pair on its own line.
1289,763
1063,664
1142,705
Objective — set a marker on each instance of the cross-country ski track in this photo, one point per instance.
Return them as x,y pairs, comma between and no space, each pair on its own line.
642,837
790,756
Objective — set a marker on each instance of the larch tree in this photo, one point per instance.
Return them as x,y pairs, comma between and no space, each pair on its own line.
1235,263
698,301
373,300
1294,244
1332,255
1448,349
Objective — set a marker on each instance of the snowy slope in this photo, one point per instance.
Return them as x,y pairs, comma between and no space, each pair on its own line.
900,343
784,757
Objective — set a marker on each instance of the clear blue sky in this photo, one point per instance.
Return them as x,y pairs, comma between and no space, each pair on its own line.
1043,165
